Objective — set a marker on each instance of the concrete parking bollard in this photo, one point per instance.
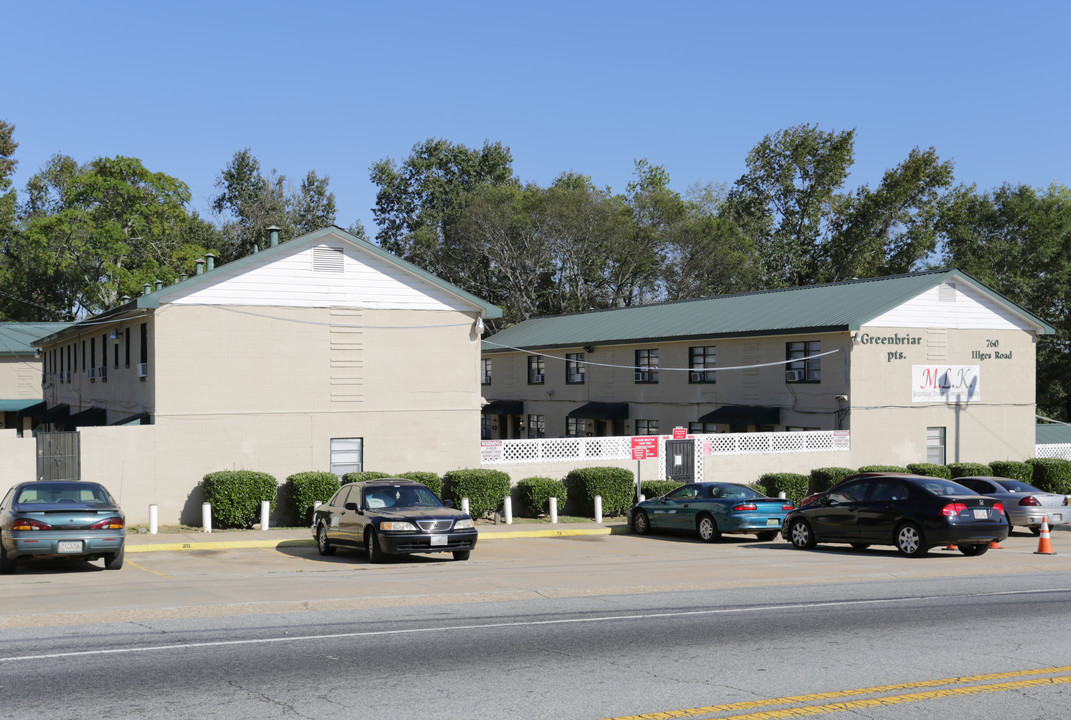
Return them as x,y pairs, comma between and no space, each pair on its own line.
781,495
553,509
598,508
507,507
465,505
154,516
265,510
206,517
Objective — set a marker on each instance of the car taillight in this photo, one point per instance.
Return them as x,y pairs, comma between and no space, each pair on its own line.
1065,499
744,507
999,507
112,523
953,509
28,524
1029,500
786,506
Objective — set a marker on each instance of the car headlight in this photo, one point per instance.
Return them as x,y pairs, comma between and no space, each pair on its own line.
465,524
397,526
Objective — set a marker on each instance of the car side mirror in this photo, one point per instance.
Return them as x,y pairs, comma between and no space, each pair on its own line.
351,506
448,503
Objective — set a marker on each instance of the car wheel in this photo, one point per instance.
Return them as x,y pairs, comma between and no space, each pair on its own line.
462,555
322,543
860,546
801,535
641,524
114,561
1036,529
371,545
974,550
766,535
909,540
7,565
708,529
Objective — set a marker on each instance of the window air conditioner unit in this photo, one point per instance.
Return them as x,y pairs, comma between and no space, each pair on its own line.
793,375
143,370
537,378
103,372
92,372
695,376
643,375
68,376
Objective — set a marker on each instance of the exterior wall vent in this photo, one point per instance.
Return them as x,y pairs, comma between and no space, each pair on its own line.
328,259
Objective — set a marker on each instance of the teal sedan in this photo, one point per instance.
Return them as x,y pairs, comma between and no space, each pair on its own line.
710,509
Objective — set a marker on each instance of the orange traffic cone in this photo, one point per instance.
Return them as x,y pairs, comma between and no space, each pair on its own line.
1044,542
994,545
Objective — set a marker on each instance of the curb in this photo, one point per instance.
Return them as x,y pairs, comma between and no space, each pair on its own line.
310,542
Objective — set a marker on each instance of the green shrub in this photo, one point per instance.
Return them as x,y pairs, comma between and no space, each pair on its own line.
428,479
534,494
1051,475
930,470
1014,469
821,479
363,475
236,495
793,485
304,489
959,470
616,486
657,488
883,468
485,489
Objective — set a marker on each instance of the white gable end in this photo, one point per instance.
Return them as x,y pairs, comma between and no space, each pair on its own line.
326,274
952,305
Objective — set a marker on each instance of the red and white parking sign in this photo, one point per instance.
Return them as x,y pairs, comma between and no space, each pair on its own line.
644,446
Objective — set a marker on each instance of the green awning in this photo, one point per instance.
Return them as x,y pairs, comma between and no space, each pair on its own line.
17,405
743,415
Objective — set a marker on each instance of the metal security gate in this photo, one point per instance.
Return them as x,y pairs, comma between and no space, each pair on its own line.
58,456
680,460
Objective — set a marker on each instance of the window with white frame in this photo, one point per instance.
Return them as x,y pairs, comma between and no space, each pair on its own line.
804,367
574,368
935,445
647,365
347,455
485,378
536,369
700,359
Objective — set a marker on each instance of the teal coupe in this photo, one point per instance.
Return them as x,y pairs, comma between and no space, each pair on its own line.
710,509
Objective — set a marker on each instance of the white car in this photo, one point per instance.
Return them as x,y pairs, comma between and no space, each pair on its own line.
1024,504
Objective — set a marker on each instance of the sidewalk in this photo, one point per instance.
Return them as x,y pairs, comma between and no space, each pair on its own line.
291,537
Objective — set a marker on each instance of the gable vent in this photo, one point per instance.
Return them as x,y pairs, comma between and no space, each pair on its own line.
946,292
327,259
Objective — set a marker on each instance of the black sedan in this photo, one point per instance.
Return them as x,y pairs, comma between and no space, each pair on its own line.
392,516
53,518
911,512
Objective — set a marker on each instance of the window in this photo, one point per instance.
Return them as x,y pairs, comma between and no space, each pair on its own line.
700,358
144,343
647,366
116,353
486,377
698,427
935,445
573,426
646,427
128,347
486,427
347,455
800,370
536,370
83,354
574,368
537,426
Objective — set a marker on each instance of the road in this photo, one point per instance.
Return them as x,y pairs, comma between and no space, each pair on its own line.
588,628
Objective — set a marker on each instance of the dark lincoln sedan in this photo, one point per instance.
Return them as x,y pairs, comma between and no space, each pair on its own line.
392,516
54,518
911,512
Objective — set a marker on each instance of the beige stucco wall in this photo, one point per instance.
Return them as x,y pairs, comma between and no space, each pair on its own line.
20,379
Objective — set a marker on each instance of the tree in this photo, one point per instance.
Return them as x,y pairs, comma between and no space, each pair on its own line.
1017,240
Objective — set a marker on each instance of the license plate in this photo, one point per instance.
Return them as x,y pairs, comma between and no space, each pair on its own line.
981,514
439,540
69,546
1057,517
773,522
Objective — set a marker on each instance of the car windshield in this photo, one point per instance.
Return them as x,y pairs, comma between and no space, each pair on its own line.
946,487
1017,486
49,493
734,492
400,497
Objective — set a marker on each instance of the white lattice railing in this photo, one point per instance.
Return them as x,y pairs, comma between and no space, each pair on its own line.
1061,451
500,452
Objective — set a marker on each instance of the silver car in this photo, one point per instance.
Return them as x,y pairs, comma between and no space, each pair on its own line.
1024,504
61,518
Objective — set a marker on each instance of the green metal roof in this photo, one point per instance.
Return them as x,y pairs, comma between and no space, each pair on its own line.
15,337
152,300
844,306
1052,434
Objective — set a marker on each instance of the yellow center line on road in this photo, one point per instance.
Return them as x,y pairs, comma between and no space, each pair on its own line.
1052,677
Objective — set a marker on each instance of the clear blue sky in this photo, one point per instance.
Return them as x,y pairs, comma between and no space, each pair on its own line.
588,87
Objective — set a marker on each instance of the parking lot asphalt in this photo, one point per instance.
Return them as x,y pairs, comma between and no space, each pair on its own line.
292,537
